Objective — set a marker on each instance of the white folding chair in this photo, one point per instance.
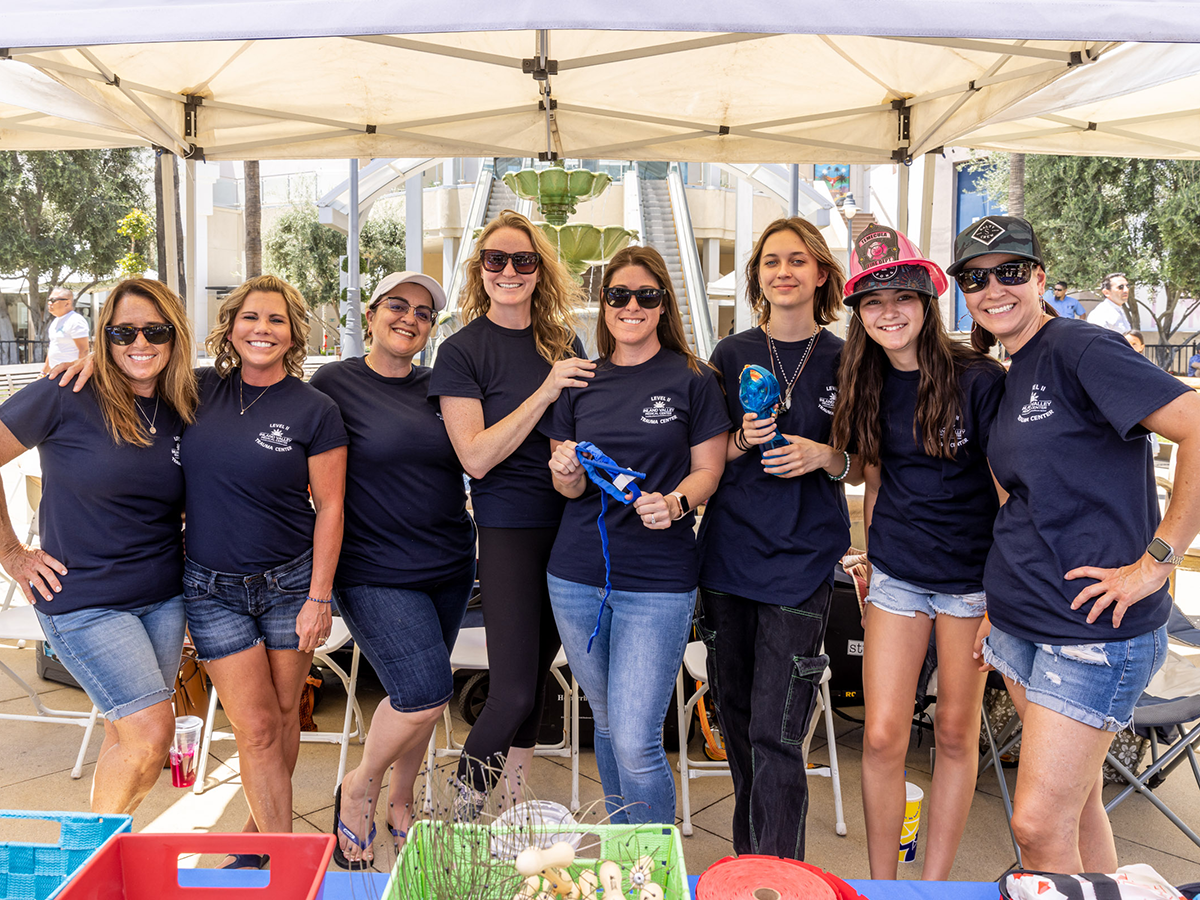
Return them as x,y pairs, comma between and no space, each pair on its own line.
470,652
20,624
352,721
695,663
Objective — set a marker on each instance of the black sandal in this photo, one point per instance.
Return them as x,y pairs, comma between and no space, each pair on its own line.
246,861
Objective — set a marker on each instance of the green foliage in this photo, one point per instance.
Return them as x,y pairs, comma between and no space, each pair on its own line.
139,228
1096,215
299,249
60,212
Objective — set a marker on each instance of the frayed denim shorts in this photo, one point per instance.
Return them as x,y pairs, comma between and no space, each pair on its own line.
1096,684
904,599
125,659
228,613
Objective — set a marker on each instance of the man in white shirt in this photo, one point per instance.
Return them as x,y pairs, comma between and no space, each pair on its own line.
68,331
1110,312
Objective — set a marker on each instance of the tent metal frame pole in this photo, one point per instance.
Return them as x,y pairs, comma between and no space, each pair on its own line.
181,145
352,338
170,174
1017,49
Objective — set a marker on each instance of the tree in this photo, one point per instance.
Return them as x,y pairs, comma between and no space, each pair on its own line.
253,216
1016,184
1096,215
59,212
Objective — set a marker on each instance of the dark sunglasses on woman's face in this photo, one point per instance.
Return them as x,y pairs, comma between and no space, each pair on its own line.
525,262
1008,274
647,298
127,334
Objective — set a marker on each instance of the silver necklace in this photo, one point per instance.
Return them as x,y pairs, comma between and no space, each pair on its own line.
812,342
242,399
149,421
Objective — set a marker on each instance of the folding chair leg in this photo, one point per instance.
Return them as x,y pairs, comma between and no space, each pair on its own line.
351,706
685,794
574,744
995,761
206,741
77,772
839,814
1183,745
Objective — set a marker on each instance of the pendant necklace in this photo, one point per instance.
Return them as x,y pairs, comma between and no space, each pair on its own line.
149,420
242,399
812,342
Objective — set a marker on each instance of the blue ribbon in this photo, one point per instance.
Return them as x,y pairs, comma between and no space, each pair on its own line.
601,470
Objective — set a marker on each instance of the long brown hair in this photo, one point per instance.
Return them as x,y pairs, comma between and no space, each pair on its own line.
176,382
827,298
670,324
555,296
219,346
940,362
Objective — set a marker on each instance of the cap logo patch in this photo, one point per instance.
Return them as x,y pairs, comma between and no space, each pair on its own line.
987,232
885,274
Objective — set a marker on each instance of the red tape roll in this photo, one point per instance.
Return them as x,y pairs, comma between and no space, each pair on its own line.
770,878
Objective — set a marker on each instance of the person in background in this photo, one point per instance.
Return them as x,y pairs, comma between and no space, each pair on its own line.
1194,365
1136,341
1063,304
68,331
1111,312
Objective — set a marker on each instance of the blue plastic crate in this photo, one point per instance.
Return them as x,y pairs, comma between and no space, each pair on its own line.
39,871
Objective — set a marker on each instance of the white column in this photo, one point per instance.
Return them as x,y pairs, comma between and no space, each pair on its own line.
170,178
927,182
743,244
449,258
712,260
414,224
902,200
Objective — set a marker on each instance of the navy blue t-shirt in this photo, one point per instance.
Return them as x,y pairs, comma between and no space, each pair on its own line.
766,538
1067,446
406,507
646,418
248,508
932,522
110,513
501,368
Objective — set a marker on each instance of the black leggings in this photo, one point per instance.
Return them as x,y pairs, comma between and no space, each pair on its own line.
522,642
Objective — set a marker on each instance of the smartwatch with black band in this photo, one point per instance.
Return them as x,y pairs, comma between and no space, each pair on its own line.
1164,552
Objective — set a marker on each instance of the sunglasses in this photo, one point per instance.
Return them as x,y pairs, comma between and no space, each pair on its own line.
1008,274
525,262
647,298
400,307
127,334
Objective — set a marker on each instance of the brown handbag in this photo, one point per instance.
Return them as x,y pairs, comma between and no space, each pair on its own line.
191,686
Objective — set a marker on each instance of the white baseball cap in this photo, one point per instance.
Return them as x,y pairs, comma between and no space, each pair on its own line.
397,278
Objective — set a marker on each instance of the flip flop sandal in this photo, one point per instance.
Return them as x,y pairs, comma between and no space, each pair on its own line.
339,828
246,861
397,836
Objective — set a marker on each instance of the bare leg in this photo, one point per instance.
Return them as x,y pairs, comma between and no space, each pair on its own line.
1055,807
260,691
395,738
131,758
895,648
956,735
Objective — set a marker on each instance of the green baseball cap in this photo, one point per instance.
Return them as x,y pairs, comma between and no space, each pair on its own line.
995,234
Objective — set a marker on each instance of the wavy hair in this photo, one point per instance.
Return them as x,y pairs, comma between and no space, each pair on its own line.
670,323
555,296
176,382
827,298
940,363
219,346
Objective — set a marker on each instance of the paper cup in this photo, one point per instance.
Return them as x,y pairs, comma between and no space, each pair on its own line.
913,796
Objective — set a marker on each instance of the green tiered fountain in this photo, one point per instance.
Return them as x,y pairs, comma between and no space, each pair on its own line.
557,191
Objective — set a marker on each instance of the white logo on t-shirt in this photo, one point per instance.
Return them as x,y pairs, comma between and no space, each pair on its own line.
175,452
1037,408
658,412
829,401
960,434
275,439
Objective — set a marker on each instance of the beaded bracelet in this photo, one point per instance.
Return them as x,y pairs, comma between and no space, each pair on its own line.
845,471
319,600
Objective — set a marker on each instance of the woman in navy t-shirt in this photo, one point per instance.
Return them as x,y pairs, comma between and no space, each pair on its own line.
408,556
1076,577
261,556
771,536
654,408
496,376
918,408
106,579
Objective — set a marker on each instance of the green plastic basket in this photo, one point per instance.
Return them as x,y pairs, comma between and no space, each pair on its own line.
456,857
39,871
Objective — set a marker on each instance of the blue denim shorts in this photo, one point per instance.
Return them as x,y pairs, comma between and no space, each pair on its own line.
229,613
407,635
904,599
1096,684
125,659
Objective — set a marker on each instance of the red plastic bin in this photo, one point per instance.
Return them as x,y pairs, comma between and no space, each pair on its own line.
146,867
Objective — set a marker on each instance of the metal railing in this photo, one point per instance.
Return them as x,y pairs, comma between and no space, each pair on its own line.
689,258
20,352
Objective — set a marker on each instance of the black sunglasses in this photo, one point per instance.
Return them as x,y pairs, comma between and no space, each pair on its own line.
647,298
127,334
525,262
401,307
1008,274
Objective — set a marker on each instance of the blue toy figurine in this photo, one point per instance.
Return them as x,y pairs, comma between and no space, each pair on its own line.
758,390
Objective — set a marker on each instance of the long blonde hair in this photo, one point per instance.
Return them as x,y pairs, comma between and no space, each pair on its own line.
176,382
555,296
670,324
827,299
219,346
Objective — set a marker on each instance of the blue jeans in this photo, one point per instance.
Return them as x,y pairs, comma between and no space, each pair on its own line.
407,635
126,659
628,678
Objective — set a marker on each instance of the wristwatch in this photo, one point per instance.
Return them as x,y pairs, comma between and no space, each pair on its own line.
684,506
1164,552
